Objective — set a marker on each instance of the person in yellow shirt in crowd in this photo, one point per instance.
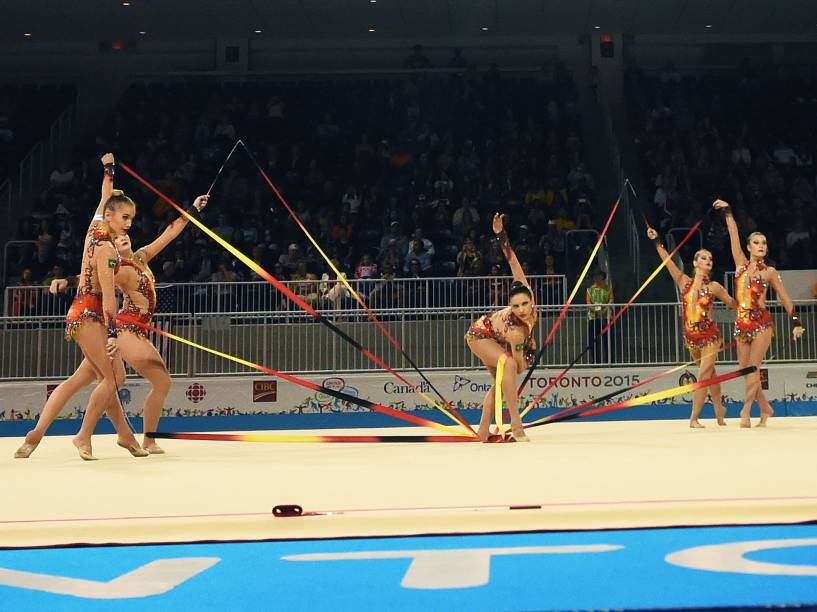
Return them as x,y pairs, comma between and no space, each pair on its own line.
599,298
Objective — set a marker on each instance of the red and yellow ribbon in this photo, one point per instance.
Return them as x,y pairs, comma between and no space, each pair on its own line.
612,321
304,439
649,398
260,271
125,318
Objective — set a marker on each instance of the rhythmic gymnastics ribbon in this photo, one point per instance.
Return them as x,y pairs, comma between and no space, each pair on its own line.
260,271
641,383
573,293
500,373
342,279
304,439
612,321
130,319
649,398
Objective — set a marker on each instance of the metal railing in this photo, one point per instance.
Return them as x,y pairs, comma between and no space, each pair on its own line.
647,335
483,292
41,159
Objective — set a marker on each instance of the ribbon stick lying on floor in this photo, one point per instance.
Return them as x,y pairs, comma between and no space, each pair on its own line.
647,399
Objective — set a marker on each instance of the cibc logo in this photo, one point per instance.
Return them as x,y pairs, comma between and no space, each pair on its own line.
265,391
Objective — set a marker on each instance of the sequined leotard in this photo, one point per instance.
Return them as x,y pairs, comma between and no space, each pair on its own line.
87,305
145,290
485,327
753,316
699,328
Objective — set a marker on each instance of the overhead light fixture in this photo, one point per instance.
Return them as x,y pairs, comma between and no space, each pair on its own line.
372,1
371,29
484,28
597,27
258,31
27,34
126,4
708,26
142,32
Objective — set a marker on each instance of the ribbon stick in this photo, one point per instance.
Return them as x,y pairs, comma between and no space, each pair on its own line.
342,279
260,271
125,318
649,398
303,439
500,374
569,301
612,394
612,321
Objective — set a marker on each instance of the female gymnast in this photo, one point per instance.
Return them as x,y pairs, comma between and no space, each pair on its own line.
136,282
754,326
87,308
506,332
135,279
701,334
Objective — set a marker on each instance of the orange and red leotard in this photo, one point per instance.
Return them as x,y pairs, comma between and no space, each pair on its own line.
146,287
699,328
753,317
484,328
87,305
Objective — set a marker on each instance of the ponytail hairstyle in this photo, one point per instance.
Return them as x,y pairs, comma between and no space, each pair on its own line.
519,287
117,200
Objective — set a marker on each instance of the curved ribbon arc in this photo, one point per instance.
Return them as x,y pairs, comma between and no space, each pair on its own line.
296,380
612,321
650,397
274,282
612,394
454,414
569,301
304,439
220,170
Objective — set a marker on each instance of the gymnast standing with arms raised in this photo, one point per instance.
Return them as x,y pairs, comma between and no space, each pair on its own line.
702,336
754,326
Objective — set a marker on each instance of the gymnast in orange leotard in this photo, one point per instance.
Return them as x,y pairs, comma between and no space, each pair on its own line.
753,325
701,334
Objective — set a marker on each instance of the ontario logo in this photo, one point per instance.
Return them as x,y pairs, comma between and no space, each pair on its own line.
265,391
460,382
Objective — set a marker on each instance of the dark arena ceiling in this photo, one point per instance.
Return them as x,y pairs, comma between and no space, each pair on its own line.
89,20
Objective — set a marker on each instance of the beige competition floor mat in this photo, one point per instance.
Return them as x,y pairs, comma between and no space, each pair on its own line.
591,475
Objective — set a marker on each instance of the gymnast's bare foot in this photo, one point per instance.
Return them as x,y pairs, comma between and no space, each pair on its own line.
132,446
483,433
31,442
83,446
695,424
745,421
720,414
152,448
764,416
519,435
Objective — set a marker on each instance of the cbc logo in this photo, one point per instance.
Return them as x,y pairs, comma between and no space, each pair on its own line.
196,392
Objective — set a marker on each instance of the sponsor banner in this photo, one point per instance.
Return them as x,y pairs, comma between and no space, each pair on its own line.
248,395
